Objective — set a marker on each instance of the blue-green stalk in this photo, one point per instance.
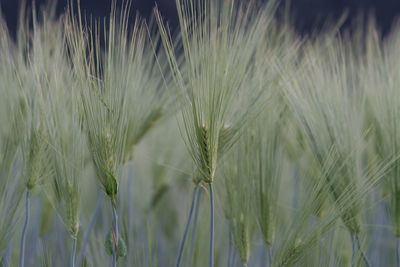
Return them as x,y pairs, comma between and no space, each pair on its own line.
73,253
24,230
186,230
356,247
115,233
212,226
89,228
194,227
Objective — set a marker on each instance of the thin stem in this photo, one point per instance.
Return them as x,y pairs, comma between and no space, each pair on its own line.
115,234
269,256
73,252
92,222
26,223
398,251
353,251
194,227
356,245
232,259
182,242
230,249
211,263
363,255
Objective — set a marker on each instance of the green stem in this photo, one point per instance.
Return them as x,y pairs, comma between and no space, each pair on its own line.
353,251
92,222
356,245
182,242
269,256
363,255
116,234
230,249
211,263
73,252
26,223
194,227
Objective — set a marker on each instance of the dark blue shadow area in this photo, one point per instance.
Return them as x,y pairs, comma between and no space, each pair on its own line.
307,14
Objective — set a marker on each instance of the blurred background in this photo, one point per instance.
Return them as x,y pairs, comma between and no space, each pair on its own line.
306,14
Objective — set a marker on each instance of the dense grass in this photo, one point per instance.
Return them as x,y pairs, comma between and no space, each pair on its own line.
233,142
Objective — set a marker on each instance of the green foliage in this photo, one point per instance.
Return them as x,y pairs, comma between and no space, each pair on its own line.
266,155
379,71
300,131
240,213
219,41
329,107
103,98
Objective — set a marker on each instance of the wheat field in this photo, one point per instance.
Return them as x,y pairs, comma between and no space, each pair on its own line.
233,141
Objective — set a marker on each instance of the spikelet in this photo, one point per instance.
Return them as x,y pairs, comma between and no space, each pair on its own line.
379,71
207,169
219,79
329,108
103,94
36,159
238,170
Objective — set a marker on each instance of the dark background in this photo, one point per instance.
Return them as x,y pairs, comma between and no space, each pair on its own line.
307,14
